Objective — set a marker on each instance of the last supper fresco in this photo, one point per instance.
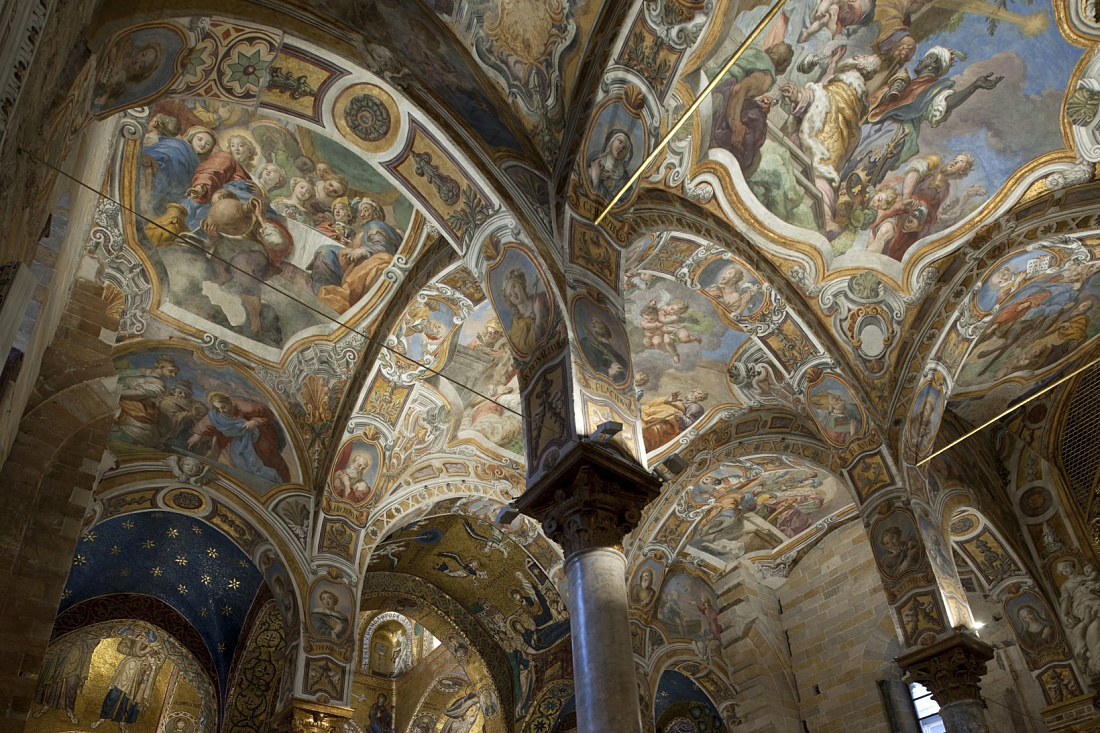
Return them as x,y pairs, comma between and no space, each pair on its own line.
244,217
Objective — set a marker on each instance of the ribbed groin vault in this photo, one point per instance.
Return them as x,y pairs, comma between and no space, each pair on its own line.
540,366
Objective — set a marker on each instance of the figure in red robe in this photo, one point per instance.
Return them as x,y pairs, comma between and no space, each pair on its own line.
245,435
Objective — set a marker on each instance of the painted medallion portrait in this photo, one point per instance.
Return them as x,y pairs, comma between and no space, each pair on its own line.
615,149
896,544
836,412
138,65
603,343
355,472
1032,621
330,611
646,583
924,420
520,296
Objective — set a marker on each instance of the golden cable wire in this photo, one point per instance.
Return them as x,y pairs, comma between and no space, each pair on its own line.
768,17
1010,410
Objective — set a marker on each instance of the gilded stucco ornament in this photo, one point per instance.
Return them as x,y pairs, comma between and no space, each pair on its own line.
367,117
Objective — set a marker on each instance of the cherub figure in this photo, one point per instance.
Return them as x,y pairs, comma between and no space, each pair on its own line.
662,320
189,470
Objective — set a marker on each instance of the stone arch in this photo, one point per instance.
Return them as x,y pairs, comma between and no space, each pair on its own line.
364,653
161,647
52,468
457,629
254,692
1006,576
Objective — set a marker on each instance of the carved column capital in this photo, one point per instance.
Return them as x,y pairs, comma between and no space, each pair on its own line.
302,716
951,668
590,498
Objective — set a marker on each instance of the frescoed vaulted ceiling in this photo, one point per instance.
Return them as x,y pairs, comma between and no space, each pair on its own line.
365,302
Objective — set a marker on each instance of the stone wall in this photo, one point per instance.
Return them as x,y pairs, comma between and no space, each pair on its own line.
755,647
48,481
839,627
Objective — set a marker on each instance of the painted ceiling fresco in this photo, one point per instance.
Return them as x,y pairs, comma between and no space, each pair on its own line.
531,49
878,126
1028,318
331,314
186,563
255,226
172,402
409,45
691,312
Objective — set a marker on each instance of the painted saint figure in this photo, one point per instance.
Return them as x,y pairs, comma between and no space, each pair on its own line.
609,169
601,352
244,434
530,311
131,685
1034,628
840,419
665,418
350,483
361,263
62,678
1079,598
642,594
328,621
461,716
898,554
139,417
741,111
381,715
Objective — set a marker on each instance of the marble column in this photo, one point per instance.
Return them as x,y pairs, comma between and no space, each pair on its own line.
587,502
952,669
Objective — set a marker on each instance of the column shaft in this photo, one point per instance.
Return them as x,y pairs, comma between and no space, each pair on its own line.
603,658
965,716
